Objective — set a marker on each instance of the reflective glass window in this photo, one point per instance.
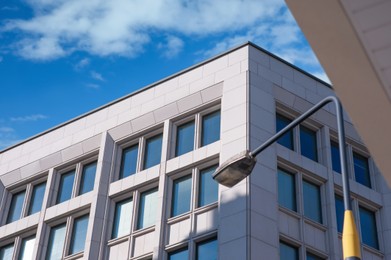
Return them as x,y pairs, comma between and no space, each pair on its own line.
16,207
312,201
313,257
207,250
368,228
287,139
129,161
147,209
339,211
66,185
210,128
37,198
184,138
208,188
335,157
361,170
122,218
6,252
288,252
87,178
56,243
27,248
181,195
153,151
308,144
181,254
79,233
286,190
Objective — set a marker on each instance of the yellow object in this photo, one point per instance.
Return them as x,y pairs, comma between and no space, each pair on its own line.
350,241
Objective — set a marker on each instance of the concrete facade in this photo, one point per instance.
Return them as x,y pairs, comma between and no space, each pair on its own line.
249,86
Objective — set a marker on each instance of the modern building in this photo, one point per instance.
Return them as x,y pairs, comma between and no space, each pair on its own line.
352,40
133,179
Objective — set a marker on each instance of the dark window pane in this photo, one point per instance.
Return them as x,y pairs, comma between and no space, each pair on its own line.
210,128
361,170
16,207
286,190
153,151
368,228
37,198
182,254
288,252
308,144
147,209
312,204
313,257
339,211
184,138
287,139
181,194
56,243
66,185
335,157
129,161
27,248
87,178
207,250
79,233
122,218
208,188
6,252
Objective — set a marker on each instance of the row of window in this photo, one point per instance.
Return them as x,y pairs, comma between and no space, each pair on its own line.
181,203
205,250
290,252
312,205
20,248
308,147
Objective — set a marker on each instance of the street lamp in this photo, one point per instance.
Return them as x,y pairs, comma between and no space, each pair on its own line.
241,165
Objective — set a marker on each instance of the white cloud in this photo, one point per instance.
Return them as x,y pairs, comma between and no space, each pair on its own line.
123,27
172,47
92,85
6,129
97,76
9,8
34,117
82,63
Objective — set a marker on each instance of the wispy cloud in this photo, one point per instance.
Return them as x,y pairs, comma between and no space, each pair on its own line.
92,85
123,27
1,58
82,63
97,76
9,8
8,137
172,47
6,129
34,117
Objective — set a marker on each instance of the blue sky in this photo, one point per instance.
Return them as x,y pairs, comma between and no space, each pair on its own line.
62,58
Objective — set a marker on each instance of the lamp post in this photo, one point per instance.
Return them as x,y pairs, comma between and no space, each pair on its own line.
241,165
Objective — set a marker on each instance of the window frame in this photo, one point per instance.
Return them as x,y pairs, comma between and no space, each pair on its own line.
191,245
376,216
79,169
139,140
28,188
197,116
362,154
69,223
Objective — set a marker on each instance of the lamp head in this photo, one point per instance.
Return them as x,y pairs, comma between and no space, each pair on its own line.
235,169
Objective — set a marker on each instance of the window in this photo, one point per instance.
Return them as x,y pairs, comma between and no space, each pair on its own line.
339,212
122,218
288,252
308,143
207,250
287,139
153,151
361,169
181,254
335,157
312,201
313,257
147,209
185,138
181,197
129,161
20,206
368,227
182,191
208,188
7,251
27,248
59,234
210,128
76,182
286,190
